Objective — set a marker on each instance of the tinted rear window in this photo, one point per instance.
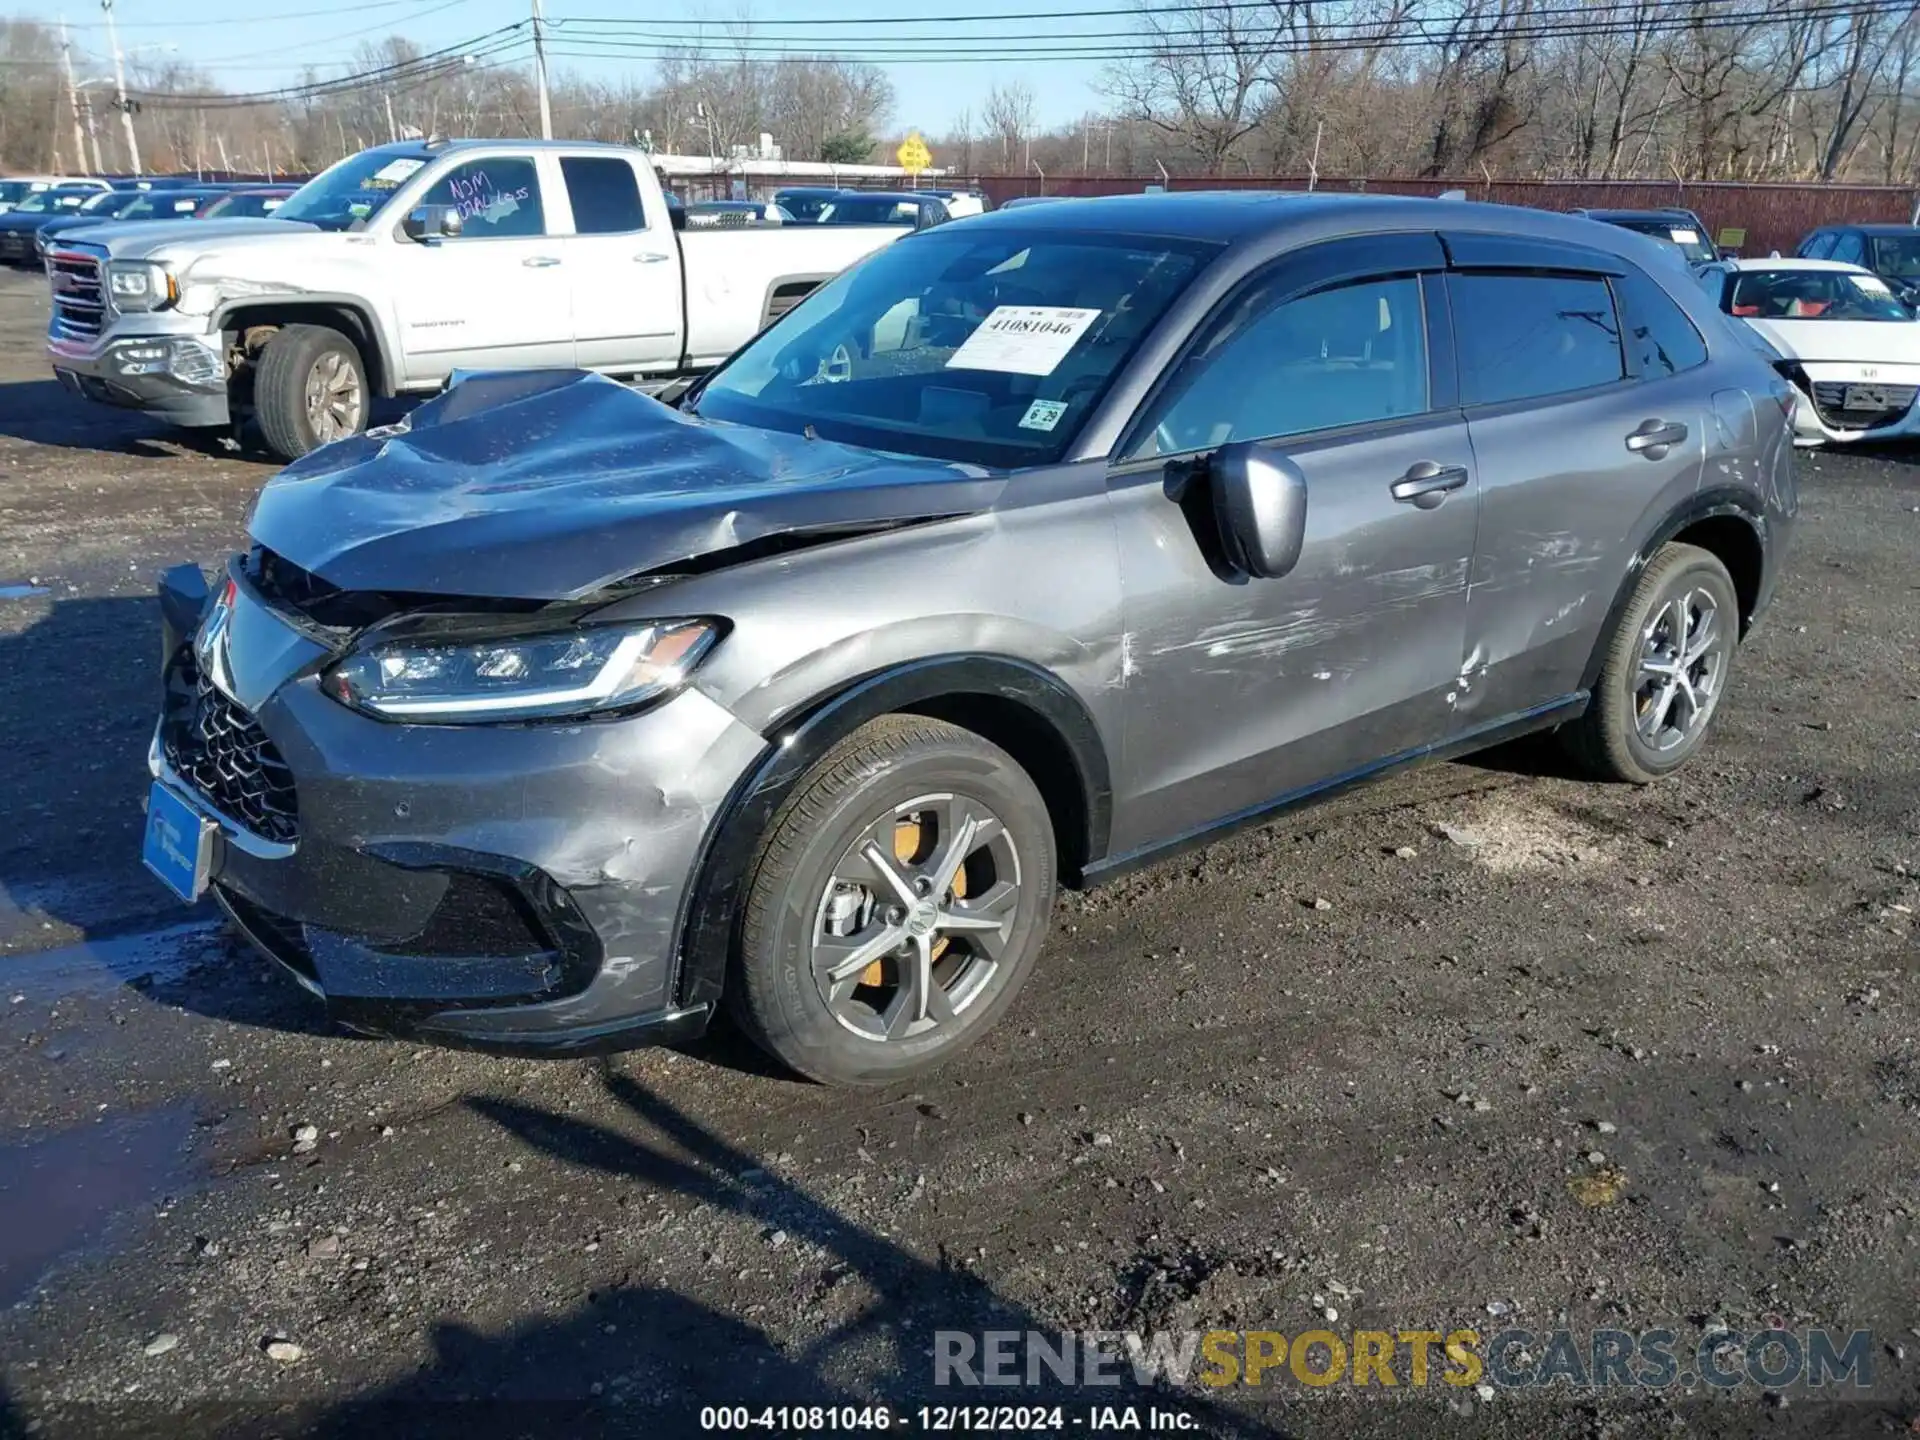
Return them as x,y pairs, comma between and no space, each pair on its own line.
1523,336
605,196
1661,340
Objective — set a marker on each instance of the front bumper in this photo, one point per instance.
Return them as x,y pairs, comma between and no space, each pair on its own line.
17,247
517,889
179,378
1845,403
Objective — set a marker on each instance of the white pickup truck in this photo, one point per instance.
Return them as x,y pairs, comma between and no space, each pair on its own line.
403,263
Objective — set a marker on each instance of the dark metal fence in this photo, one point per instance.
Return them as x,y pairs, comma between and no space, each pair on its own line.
1774,217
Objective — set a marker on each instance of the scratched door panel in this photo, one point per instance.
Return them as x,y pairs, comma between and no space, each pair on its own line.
1564,506
1242,691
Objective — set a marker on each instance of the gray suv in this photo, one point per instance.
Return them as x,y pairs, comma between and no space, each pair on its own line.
1039,546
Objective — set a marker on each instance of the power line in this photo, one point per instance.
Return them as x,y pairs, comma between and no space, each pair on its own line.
433,64
220,61
1119,45
253,19
989,17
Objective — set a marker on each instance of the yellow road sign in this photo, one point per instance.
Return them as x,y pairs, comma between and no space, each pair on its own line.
913,154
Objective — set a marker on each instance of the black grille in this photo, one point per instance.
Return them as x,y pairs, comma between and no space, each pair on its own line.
217,748
1830,400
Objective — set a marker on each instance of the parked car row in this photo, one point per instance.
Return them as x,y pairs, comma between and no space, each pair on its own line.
57,208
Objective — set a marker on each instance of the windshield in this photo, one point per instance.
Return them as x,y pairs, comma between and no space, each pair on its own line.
47,201
991,348
108,202
1896,255
1682,233
231,207
1813,295
347,195
868,210
12,190
802,206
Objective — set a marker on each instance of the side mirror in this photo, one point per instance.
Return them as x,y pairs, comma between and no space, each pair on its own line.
1260,505
432,222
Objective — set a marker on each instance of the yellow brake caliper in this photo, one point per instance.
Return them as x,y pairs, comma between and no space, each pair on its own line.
907,839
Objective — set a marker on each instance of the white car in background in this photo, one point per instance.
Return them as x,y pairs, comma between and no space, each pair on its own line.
1850,348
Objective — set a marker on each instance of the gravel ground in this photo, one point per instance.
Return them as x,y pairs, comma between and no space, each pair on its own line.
1480,1048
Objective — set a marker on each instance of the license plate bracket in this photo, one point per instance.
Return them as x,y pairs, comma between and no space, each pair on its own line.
178,843
1866,397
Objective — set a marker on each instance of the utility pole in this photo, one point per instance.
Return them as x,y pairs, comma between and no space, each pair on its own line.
393,132
73,99
540,71
120,89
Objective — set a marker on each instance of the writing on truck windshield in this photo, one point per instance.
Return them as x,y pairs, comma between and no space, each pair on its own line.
987,348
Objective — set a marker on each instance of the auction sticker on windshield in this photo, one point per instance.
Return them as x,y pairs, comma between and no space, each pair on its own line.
389,175
1023,339
1683,236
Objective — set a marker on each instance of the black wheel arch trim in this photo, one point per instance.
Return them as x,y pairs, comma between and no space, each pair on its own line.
714,900
1708,504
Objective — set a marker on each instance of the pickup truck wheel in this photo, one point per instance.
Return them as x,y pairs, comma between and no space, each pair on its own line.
310,388
896,904
1665,670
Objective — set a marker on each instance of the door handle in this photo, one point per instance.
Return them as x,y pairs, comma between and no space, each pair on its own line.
1654,438
1426,485
539,262
650,257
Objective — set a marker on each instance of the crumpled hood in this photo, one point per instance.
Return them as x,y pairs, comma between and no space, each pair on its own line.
548,485
1885,341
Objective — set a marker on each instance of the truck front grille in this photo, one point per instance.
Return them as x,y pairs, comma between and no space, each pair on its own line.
79,301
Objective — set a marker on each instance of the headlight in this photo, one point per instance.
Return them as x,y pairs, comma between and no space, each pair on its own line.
141,285
581,672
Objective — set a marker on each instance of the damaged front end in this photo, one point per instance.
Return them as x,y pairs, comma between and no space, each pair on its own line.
441,721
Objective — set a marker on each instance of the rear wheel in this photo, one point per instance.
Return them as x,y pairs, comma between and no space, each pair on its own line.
896,905
1666,669
309,389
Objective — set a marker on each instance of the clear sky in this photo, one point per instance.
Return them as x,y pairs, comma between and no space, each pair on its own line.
267,44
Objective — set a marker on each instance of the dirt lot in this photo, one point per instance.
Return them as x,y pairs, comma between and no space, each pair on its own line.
1589,1058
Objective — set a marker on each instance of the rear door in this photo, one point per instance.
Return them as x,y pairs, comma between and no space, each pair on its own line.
623,268
1589,404
1241,691
495,295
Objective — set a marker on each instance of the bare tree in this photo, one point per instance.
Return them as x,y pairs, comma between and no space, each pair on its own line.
1008,115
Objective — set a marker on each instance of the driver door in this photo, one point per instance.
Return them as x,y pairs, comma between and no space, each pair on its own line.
1245,692
495,296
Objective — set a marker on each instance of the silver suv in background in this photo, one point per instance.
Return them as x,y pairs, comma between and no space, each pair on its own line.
1040,546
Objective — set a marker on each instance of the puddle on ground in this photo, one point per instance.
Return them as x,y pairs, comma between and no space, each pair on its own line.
62,1193
21,592
96,967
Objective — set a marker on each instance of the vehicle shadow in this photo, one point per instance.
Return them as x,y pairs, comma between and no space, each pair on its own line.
643,1359
71,792
41,412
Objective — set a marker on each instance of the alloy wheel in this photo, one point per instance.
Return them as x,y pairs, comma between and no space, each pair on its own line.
336,401
1683,654
911,927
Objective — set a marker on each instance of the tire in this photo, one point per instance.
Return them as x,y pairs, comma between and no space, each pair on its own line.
1625,734
300,357
916,782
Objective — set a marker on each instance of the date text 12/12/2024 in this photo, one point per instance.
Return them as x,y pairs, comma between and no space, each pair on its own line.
946,1419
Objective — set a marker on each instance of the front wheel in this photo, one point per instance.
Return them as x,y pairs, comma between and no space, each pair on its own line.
1665,672
897,903
310,389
